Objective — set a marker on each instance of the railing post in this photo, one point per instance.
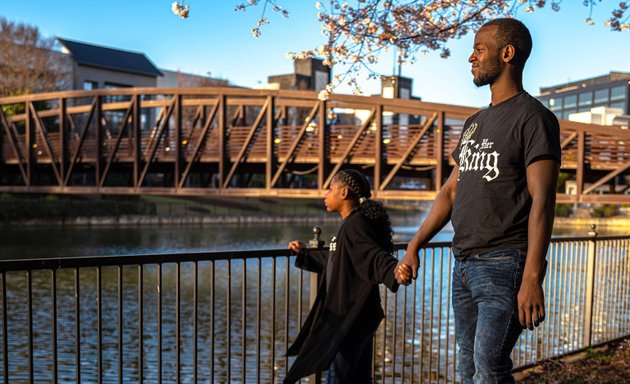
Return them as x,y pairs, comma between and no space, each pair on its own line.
98,124
63,140
439,152
31,145
179,150
137,142
590,286
379,149
579,172
323,146
224,156
316,242
272,151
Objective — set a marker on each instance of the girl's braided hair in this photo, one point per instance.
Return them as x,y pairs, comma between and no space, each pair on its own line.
374,211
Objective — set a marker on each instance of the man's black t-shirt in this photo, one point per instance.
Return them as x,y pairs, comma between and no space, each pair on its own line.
492,203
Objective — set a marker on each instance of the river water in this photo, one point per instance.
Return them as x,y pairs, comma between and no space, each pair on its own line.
68,241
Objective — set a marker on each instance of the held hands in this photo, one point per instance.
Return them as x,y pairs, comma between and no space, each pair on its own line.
402,273
412,262
531,304
407,268
296,246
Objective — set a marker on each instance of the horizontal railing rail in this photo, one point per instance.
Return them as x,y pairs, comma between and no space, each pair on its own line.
229,316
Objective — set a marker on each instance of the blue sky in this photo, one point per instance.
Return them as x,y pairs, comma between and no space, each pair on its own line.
218,40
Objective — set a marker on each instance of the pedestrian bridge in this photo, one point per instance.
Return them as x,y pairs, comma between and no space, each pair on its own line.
245,142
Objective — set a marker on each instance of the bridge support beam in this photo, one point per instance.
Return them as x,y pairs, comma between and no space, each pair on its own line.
63,137
323,152
272,155
223,156
579,173
379,155
177,172
136,141
439,153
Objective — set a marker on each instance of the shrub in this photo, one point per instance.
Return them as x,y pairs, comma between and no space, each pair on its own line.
605,211
563,210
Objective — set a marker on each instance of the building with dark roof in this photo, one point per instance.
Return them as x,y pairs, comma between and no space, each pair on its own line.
103,67
612,91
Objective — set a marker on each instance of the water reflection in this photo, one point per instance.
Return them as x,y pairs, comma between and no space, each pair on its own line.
38,242
41,242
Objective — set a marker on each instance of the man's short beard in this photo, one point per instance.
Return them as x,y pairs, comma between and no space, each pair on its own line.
489,77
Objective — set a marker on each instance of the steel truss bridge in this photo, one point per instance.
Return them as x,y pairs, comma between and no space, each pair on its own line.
245,142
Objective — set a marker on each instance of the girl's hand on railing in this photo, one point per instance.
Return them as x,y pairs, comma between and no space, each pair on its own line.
296,246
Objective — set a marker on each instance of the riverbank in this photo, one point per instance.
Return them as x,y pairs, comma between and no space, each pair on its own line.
616,223
79,211
139,220
82,211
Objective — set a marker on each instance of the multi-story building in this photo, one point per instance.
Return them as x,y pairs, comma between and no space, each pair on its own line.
102,67
612,91
97,67
308,75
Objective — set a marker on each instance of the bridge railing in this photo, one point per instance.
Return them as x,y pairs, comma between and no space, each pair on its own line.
202,141
229,316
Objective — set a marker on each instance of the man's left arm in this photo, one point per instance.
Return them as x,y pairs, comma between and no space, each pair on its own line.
542,176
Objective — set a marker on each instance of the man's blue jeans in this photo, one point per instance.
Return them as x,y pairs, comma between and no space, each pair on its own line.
485,288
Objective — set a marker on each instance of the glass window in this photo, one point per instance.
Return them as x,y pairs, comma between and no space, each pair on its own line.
584,109
567,112
555,104
618,104
90,85
617,93
116,86
116,98
601,96
570,101
585,99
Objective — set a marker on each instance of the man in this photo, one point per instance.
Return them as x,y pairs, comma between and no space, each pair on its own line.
500,197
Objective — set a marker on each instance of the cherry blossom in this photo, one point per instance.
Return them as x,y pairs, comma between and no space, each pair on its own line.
180,9
358,32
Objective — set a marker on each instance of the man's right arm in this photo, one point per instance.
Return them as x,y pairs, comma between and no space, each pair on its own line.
439,215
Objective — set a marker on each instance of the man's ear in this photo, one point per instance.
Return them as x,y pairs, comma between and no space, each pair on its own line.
508,53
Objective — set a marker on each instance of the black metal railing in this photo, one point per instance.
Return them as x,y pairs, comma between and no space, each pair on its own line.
229,316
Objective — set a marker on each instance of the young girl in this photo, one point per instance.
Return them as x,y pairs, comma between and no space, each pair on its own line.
337,334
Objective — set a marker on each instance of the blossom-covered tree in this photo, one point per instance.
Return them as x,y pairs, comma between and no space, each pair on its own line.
357,32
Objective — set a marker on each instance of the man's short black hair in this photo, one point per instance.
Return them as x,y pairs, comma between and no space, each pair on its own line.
515,33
